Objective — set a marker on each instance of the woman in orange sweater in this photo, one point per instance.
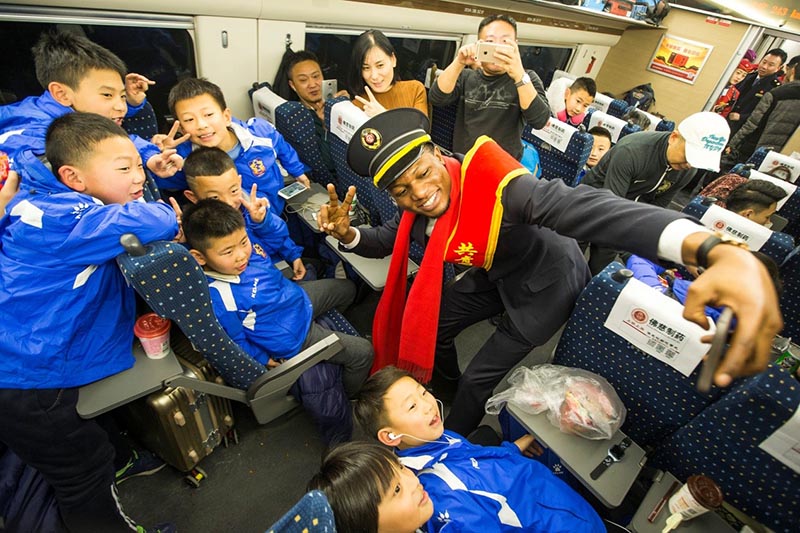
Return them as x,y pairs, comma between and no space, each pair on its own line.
372,77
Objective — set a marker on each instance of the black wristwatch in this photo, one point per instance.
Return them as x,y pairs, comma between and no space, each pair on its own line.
701,256
615,455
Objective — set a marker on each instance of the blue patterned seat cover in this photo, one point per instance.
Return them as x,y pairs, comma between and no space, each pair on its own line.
659,399
723,440
312,514
556,164
296,124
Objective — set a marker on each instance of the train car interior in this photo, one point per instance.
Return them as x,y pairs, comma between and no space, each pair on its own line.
262,442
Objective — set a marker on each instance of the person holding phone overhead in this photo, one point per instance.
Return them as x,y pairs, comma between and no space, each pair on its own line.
372,78
500,97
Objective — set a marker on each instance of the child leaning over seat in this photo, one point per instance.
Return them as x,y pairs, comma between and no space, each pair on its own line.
267,315
66,311
473,488
256,147
211,173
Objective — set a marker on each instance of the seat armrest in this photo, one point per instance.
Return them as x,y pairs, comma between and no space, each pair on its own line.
285,374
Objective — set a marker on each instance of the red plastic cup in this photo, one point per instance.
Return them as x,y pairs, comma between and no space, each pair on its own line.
153,332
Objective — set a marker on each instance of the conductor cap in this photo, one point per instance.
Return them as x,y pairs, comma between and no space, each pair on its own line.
386,145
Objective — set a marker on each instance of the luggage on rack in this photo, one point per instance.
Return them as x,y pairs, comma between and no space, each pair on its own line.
180,425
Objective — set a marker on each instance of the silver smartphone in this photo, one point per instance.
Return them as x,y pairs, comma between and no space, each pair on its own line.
290,191
485,51
329,88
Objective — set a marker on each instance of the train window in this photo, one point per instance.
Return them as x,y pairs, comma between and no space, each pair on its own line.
544,60
415,54
165,55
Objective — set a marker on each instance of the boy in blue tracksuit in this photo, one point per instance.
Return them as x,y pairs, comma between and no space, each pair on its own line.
267,315
78,75
66,310
211,173
255,146
473,488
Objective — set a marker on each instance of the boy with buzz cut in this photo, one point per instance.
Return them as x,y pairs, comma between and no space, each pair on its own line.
267,315
78,75
490,488
211,173
569,99
66,310
256,146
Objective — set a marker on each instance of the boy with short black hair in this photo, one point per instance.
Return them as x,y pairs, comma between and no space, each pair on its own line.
268,316
369,491
569,100
256,146
69,309
211,173
78,75
472,487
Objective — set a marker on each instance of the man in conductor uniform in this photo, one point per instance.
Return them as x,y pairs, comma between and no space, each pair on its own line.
487,213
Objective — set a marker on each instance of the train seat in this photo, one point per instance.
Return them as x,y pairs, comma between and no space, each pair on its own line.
659,398
616,126
143,123
775,244
443,124
311,514
296,124
563,150
790,299
765,159
725,442
171,282
617,108
343,118
601,102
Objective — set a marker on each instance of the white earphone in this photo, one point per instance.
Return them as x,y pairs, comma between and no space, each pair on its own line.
393,436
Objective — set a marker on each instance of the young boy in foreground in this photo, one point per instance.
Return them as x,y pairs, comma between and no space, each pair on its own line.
473,488
66,310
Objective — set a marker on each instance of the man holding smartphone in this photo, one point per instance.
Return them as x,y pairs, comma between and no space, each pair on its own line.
499,96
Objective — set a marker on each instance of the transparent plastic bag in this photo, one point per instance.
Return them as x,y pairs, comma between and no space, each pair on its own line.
577,401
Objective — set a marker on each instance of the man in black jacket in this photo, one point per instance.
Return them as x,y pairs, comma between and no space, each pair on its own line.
536,271
754,85
773,121
651,167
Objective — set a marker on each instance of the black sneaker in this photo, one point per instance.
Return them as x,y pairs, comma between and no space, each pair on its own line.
143,463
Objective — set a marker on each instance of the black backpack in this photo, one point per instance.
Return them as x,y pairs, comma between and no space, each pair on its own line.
641,96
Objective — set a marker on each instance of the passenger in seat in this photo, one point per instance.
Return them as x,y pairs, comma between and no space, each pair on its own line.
268,316
569,101
67,313
473,488
211,173
373,81
78,75
497,99
600,146
255,146
305,79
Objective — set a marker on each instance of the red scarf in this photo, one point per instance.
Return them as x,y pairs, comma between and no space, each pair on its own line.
408,339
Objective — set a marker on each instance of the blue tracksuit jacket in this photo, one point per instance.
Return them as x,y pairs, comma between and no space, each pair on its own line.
495,489
267,315
262,147
23,126
66,312
274,235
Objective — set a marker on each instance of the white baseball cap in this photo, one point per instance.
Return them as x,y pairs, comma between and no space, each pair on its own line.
706,135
